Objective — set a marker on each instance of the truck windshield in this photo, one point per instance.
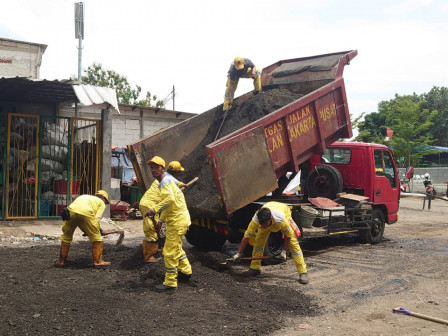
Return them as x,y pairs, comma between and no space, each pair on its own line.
337,155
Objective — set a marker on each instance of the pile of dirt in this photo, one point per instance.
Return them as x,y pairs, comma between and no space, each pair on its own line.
203,194
39,299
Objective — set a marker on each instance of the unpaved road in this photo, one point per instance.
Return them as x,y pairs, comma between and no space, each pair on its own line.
353,287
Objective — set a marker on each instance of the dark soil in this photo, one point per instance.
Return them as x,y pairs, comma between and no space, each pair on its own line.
39,299
203,194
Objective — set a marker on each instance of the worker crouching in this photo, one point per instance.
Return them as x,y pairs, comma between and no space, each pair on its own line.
272,217
84,212
240,68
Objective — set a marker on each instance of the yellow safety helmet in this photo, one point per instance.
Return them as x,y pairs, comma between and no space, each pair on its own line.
103,194
157,160
238,63
176,166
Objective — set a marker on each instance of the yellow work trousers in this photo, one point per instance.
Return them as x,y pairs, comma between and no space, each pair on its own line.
294,247
149,230
174,256
231,86
89,225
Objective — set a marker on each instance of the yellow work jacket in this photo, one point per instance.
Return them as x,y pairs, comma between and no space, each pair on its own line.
88,205
172,203
280,220
150,198
152,195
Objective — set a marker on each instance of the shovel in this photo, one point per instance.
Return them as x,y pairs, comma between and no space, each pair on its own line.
400,310
222,123
120,238
226,263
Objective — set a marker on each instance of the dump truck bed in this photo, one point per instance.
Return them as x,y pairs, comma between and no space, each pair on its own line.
303,109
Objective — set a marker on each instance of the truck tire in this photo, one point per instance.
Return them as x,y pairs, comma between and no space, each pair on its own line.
324,181
374,235
274,244
205,239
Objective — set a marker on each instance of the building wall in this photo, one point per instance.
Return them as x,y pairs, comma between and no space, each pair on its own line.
438,177
22,59
133,122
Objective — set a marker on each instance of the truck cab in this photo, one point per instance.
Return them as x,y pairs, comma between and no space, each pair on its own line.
365,169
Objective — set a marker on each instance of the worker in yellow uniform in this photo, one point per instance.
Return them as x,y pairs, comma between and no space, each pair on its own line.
151,242
175,213
240,68
272,217
84,212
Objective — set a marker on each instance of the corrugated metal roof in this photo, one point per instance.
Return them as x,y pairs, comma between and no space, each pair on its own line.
92,95
30,90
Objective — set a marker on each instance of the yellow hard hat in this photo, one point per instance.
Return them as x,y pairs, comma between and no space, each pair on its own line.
157,160
104,194
238,63
175,165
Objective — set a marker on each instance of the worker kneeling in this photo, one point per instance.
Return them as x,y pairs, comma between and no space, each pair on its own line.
85,212
272,217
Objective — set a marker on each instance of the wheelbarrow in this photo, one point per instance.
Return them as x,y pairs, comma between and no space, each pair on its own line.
120,209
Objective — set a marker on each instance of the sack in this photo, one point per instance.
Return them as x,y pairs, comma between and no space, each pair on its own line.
65,214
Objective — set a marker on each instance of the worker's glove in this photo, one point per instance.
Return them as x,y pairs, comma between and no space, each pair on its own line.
255,92
237,256
102,232
283,255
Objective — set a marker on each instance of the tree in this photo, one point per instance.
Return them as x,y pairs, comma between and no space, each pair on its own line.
96,75
410,122
437,99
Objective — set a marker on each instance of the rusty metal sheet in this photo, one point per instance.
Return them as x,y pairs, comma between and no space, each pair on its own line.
173,143
242,168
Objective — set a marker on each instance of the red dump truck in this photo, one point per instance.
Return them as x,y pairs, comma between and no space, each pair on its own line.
249,165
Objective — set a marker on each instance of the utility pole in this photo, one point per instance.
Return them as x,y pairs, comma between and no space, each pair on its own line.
171,95
79,33
174,95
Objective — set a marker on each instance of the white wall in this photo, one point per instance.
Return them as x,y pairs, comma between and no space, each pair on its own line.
133,122
21,59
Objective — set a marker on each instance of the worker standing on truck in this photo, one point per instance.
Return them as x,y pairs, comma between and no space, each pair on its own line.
177,217
84,212
153,239
272,217
240,68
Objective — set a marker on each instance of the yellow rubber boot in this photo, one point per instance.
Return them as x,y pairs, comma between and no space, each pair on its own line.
97,254
65,247
149,249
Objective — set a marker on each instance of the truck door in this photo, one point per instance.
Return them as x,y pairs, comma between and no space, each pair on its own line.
386,189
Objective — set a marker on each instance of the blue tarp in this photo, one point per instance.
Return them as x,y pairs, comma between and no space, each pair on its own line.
121,162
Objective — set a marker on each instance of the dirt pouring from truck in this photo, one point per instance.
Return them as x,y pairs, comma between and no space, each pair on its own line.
203,194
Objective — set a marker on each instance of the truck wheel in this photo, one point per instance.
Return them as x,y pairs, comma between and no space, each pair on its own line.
204,239
374,235
274,245
324,181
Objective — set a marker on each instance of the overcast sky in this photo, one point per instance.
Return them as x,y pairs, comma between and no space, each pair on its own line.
402,44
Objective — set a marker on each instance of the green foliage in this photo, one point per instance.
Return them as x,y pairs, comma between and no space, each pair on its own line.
96,75
437,99
411,123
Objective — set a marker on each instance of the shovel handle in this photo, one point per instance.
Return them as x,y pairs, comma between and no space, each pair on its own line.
250,258
400,310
